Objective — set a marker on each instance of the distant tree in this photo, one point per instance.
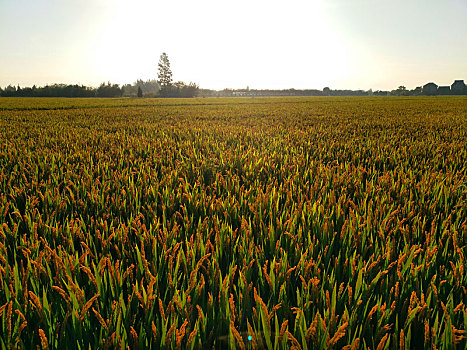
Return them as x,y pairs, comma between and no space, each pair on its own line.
401,91
191,90
140,92
165,75
149,88
180,89
9,91
109,90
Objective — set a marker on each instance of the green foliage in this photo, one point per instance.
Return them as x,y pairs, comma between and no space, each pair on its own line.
164,72
108,90
251,223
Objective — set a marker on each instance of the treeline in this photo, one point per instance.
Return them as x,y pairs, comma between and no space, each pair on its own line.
286,92
152,88
149,88
63,90
179,89
400,91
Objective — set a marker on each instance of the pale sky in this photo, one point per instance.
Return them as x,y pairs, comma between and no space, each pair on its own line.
343,44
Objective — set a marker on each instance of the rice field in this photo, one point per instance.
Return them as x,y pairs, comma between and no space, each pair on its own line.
244,223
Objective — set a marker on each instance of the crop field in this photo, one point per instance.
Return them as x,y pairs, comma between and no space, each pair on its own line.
247,223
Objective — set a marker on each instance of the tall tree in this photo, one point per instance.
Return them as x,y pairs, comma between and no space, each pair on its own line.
165,73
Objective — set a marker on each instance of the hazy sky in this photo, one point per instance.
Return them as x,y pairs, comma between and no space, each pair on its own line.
356,44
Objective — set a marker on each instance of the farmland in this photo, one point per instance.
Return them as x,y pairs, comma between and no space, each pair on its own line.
251,223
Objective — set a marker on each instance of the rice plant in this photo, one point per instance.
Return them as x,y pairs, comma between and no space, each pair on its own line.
266,223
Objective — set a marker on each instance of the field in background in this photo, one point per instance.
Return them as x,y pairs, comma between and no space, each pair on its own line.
249,222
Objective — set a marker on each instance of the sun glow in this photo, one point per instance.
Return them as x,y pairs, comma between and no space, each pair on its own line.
123,51
261,44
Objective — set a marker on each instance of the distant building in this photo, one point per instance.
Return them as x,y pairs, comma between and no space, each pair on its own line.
430,89
444,90
458,87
